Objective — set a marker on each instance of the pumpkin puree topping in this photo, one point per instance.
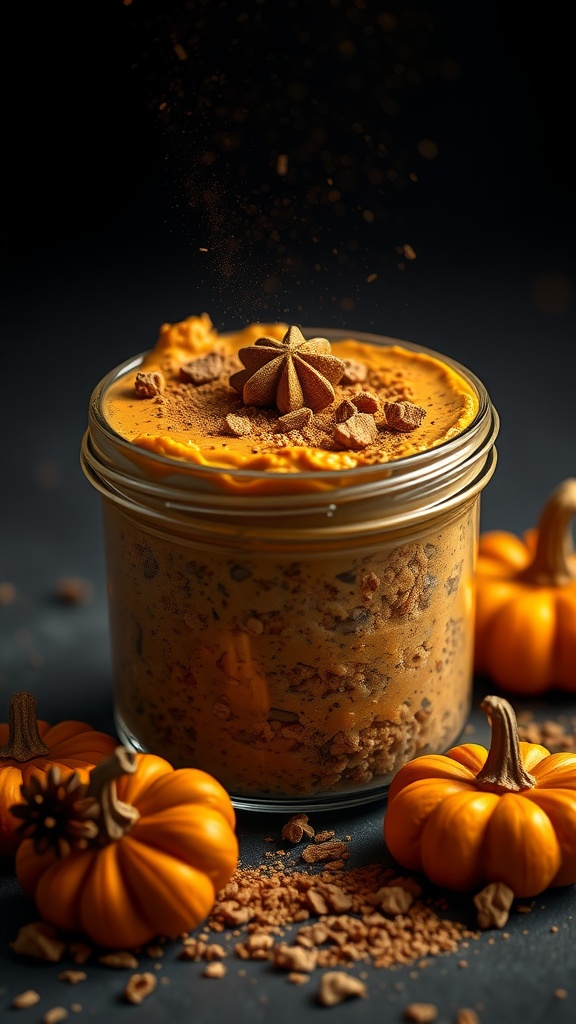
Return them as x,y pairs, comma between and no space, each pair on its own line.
268,398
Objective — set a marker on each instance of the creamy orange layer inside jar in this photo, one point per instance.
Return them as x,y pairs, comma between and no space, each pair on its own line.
290,520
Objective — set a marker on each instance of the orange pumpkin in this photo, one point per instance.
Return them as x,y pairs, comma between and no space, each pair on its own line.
139,852
525,625
29,746
473,816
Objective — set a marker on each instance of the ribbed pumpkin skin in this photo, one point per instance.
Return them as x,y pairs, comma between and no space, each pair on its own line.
525,634
525,609
160,879
439,821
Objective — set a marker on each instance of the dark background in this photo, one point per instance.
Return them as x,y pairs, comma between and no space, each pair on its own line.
141,185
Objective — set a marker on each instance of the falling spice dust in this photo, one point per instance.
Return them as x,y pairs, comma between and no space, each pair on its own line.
294,135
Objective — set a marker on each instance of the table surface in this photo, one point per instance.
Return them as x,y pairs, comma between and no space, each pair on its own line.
493,287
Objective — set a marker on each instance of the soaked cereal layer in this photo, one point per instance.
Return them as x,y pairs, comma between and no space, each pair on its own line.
295,677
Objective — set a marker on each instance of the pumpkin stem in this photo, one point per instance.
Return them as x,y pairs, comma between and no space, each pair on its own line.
24,740
553,562
503,768
115,818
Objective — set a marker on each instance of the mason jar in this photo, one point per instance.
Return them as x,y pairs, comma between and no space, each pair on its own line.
298,642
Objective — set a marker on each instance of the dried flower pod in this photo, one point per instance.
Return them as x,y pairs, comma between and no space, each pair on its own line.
289,374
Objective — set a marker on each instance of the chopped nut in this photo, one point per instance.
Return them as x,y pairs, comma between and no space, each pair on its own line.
345,411
73,977
56,1014
295,420
357,432
323,837
120,959
149,385
295,958
467,1016
323,851
25,999
365,401
296,827
421,1013
394,900
139,986
493,904
238,426
202,370
40,940
215,969
403,415
335,986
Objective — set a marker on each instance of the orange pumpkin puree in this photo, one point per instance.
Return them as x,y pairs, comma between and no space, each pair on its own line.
188,422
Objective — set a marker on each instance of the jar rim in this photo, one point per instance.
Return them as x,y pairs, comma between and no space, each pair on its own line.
443,458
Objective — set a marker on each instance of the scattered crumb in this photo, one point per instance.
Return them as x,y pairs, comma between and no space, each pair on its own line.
139,987
28,998
74,590
421,1013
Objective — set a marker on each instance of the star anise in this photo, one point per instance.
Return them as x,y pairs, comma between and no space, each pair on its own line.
292,374
56,813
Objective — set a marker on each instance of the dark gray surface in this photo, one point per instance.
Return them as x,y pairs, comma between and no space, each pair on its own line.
88,280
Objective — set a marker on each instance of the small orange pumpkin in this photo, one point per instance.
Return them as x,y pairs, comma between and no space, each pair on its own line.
473,816
29,746
138,852
525,619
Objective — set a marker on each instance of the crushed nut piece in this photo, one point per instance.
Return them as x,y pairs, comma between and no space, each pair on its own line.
323,837
345,411
139,986
467,1016
335,986
122,958
25,999
216,969
393,899
357,432
493,904
421,1013
403,415
295,958
324,851
73,977
56,1014
365,401
202,370
295,420
40,940
149,385
296,827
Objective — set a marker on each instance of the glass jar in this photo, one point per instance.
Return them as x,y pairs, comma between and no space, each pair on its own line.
302,645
